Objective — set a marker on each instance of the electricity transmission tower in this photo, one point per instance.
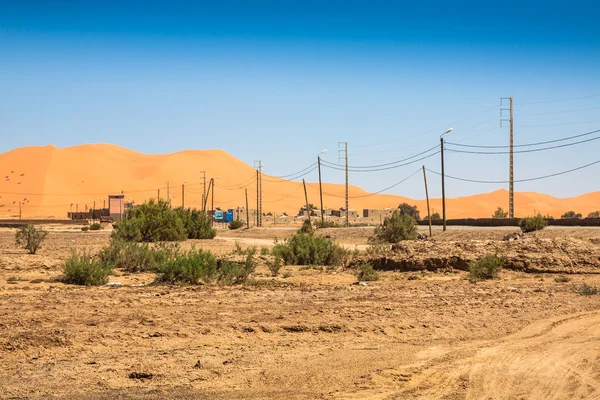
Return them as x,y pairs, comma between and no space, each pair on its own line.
511,176
344,151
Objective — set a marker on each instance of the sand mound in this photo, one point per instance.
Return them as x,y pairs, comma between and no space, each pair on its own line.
49,182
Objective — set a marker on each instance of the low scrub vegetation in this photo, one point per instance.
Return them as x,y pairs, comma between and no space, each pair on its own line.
30,238
158,222
327,224
535,223
83,269
407,209
500,213
236,224
308,249
95,226
193,267
562,279
435,216
275,265
594,214
586,290
367,273
306,227
231,272
571,214
397,227
487,267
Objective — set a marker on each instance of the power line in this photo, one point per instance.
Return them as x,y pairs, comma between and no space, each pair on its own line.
295,173
559,100
382,169
380,165
559,112
378,192
286,196
525,145
291,178
524,151
518,180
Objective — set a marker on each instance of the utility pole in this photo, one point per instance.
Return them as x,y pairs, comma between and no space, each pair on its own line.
427,197
183,195
20,215
94,210
257,198
158,197
511,179
321,193
168,195
203,185
345,151
247,211
212,202
443,188
306,199
260,184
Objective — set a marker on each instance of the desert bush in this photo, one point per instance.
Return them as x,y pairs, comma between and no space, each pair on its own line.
571,214
407,209
239,251
30,238
306,249
83,269
85,229
562,279
535,223
275,265
192,267
95,226
231,272
594,214
367,273
306,227
264,251
500,213
197,224
436,216
236,224
397,227
327,224
487,267
586,290
136,257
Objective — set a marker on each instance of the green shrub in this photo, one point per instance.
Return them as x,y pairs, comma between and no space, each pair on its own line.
242,252
236,224
487,267
500,213
83,269
571,214
231,273
435,216
264,251
85,228
275,265
586,290
594,214
407,209
305,249
327,224
30,238
135,257
397,227
535,223
197,224
158,222
95,226
306,227
367,273
192,267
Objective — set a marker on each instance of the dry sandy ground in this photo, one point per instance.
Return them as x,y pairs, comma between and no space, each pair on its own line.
315,334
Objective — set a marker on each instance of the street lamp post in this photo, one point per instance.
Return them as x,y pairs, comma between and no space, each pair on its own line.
320,189
443,188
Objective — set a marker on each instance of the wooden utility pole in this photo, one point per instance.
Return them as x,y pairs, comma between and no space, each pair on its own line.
203,185
511,185
168,195
443,188
247,211
260,185
20,214
321,193
212,202
158,196
183,195
306,199
427,197
257,199
94,210
347,207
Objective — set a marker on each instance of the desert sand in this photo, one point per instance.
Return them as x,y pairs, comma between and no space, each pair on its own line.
51,181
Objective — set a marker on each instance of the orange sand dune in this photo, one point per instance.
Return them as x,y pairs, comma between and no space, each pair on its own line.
49,182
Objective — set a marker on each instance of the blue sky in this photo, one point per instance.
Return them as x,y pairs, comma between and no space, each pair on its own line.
280,81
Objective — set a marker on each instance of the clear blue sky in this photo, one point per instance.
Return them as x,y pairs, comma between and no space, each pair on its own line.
279,81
